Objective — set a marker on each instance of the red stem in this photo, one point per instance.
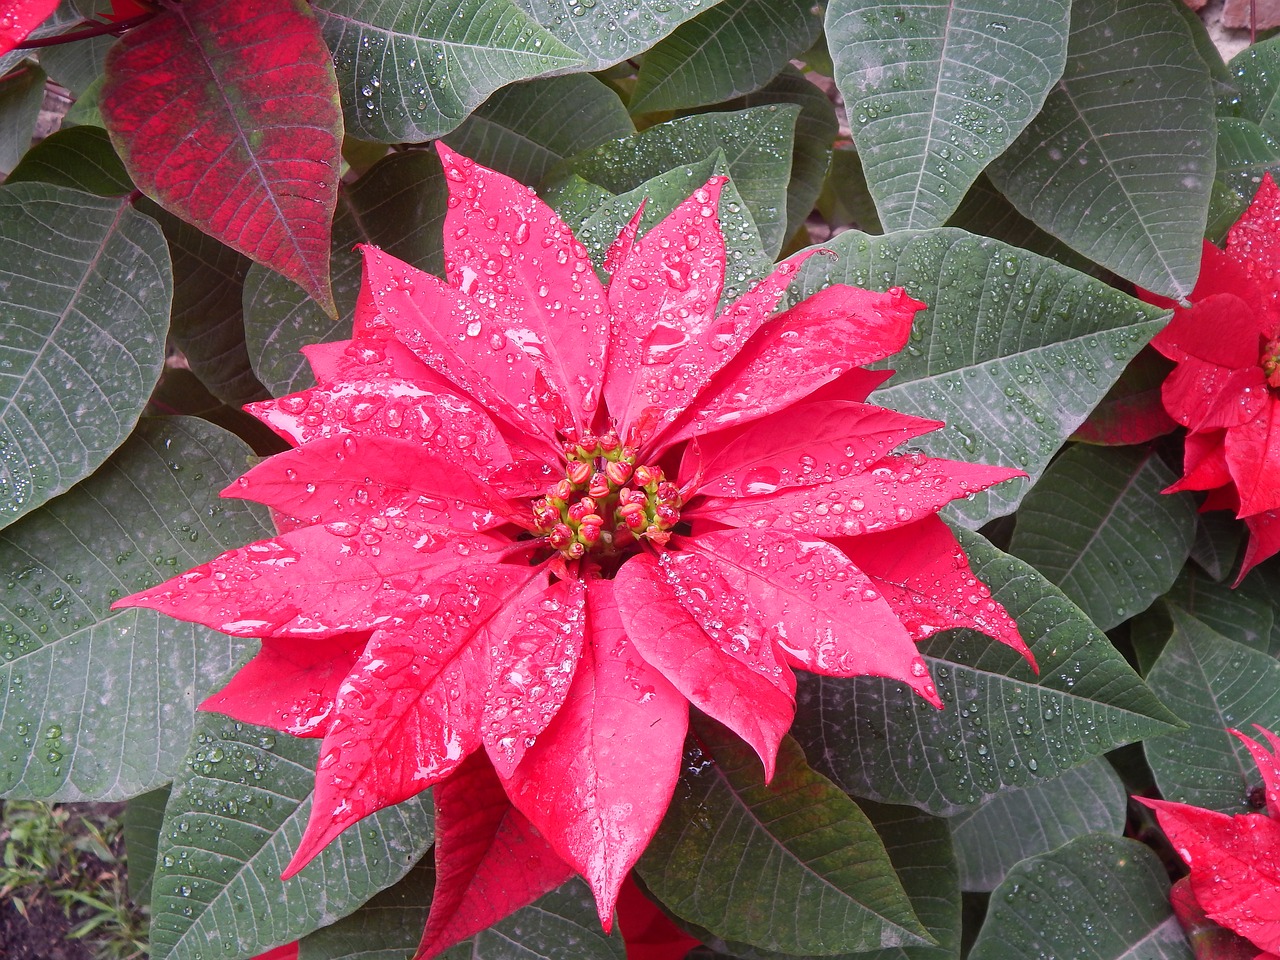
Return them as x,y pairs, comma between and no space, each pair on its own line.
97,30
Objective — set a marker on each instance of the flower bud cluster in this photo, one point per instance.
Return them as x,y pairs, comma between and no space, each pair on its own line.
1271,362
605,501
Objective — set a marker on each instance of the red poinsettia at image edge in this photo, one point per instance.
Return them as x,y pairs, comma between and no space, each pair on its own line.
1235,867
531,518
1225,388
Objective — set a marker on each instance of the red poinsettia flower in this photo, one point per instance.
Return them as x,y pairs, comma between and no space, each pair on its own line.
532,517
1235,864
1225,388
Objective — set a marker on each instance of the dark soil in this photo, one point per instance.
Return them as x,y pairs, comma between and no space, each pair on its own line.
41,935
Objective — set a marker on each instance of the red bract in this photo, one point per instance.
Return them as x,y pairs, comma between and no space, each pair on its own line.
1225,388
532,516
19,17
1234,860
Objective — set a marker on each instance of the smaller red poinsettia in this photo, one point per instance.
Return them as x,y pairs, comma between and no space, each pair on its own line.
1235,865
1225,387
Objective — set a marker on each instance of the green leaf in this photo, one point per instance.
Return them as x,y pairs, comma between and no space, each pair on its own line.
412,72
85,290
142,819
845,200
1024,823
1257,82
1217,544
605,32
399,206
1013,352
207,322
1124,184
1099,527
936,89
1245,153
98,704
732,49
757,145
662,195
920,849
816,128
794,866
1002,727
387,927
561,925
21,95
1098,896
236,815
1212,683
527,128
1248,614
987,211
79,157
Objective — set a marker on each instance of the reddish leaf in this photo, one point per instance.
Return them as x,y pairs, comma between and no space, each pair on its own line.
707,640
540,637
797,352
318,581
838,439
1264,541
1209,941
412,484
1137,418
663,297
822,611
580,783
19,17
490,861
1235,866
648,932
510,251
228,116
456,336
371,358
894,491
1253,458
287,952
291,684
455,426
1268,762
410,711
925,576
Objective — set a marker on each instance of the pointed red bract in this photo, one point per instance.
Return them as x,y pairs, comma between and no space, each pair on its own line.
1225,388
412,484
19,17
581,785
486,578
290,685
227,115
822,612
885,494
411,709
490,861
712,646
925,576
511,251
810,345
1234,860
648,932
